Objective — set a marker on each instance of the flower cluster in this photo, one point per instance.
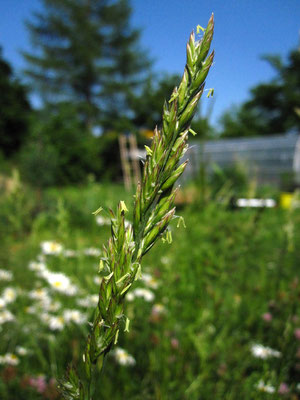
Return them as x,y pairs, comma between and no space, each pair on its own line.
263,352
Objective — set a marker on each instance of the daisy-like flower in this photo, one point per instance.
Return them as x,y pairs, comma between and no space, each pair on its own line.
165,260
92,251
5,275
123,357
55,323
9,295
74,316
39,294
21,351
6,316
102,220
97,280
89,301
149,281
144,294
158,309
52,306
2,303
31,310
9,359
127,223
265,387
130,296
68,253
51,248
37,266
61,283
260,351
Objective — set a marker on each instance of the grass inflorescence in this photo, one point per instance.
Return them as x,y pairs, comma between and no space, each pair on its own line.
153,211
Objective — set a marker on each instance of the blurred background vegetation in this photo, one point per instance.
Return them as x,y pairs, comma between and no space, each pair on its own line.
86,95
232,278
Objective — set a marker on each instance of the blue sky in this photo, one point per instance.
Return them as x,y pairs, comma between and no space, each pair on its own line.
244,31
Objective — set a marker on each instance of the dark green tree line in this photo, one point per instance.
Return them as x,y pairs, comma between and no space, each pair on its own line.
14,111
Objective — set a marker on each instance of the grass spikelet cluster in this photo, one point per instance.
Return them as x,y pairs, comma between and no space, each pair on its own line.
153,210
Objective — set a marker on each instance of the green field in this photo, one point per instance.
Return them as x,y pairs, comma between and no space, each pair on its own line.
205,306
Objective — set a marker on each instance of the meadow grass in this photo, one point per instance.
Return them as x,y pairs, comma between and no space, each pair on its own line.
228,282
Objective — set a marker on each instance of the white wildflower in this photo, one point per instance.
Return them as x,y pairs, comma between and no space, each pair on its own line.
31,310
123,357
89,301
127,223
52,306
44,301
55,323
94,298
97,280
102,220
51,248
9,295
130,296
60,282
5,275
74,316
158,309
144,293
9,359
165,260
2,303
149,281
260,351
21,351
6,316
92,251
39,294
264,387
37,266
68,253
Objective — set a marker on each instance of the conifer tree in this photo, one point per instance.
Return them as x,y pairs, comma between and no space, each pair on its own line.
85,52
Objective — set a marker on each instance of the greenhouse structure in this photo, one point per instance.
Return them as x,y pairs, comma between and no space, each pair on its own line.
266,159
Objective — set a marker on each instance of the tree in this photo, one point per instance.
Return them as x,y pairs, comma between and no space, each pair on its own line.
86,53
273,107
58,151
14,110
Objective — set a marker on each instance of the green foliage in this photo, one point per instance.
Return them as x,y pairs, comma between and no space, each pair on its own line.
14,111
85,52
234,178
59,150
193,338
17,207
273,106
